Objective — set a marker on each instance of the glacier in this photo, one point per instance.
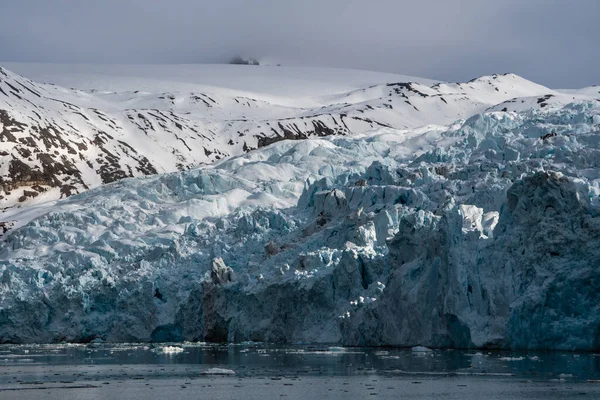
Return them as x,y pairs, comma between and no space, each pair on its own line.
479,234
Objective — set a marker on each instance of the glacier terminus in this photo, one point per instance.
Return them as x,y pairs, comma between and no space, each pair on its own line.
369,213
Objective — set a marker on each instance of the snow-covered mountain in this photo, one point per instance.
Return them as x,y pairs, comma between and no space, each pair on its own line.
467,215
57,142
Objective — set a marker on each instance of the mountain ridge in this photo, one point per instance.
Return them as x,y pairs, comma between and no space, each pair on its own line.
57,142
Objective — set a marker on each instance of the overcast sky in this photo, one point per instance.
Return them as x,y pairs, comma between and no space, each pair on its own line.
554,42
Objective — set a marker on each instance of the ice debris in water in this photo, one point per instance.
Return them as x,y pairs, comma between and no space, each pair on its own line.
170,349
421,349
218,371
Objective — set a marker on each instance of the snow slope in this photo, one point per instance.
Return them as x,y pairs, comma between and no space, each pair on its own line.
480,233
293,82
132,121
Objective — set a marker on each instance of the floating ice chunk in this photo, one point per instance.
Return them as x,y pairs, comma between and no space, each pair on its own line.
170,350
421,349
512,358
478,354
218,371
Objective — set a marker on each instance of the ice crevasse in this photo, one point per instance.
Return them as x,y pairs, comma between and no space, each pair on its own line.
482,234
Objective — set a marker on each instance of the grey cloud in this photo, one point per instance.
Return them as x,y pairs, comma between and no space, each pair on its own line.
553,42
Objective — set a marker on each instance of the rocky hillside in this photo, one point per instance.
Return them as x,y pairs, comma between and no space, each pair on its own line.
56,142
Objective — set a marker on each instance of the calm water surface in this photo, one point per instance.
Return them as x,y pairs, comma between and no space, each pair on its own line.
256,371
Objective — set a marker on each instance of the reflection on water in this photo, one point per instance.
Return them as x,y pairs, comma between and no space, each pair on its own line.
253,360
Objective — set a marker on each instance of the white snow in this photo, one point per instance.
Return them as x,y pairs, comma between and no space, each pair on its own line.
285,81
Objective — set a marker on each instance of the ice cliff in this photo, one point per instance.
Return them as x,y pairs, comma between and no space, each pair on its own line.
484,233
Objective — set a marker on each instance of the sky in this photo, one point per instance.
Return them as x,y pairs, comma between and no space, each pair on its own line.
553,42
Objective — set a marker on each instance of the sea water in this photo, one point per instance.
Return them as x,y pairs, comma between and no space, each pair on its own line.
259,371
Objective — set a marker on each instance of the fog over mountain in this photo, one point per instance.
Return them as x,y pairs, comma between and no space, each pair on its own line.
549,41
